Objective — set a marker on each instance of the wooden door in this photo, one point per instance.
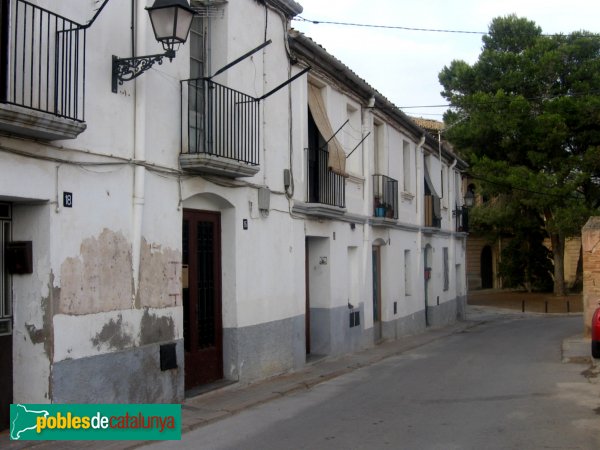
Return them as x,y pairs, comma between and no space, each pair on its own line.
376,265
202,310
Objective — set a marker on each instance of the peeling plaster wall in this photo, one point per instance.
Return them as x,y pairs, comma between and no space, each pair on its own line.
100,278
160,276
131,376
77,310
34,301
96,334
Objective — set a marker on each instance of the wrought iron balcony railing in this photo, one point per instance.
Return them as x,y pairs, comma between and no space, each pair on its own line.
221,123
324,186
385,197
461,218
42,60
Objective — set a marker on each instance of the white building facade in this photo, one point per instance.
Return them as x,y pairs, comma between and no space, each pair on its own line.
187,228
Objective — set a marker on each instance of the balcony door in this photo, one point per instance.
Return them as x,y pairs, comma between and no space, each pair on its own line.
317,160
4,24
202,309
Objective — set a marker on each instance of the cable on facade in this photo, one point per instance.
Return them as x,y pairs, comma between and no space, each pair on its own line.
389,27
520,189
84,164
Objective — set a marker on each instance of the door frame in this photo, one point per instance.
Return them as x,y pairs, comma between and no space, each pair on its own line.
307,301
376,274
210,357
6,314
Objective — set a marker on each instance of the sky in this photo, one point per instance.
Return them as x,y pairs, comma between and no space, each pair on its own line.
404,65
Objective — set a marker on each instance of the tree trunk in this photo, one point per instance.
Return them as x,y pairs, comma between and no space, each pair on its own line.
578,285
558,251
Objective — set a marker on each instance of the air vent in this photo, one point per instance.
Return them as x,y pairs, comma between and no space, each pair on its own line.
4,210
168,357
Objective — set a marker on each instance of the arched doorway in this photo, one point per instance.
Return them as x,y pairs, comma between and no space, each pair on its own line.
487,270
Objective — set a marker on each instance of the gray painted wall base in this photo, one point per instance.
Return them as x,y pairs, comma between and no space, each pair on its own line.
128,376
331,334
443,314
259,351
461,307
404,326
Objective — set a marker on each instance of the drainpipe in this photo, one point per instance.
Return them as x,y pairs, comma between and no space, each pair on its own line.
262,104
367,196
441,165
365,154
419,180
420,199
452,245
451,172
139,155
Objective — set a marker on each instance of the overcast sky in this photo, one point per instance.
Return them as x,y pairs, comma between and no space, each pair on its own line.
404,65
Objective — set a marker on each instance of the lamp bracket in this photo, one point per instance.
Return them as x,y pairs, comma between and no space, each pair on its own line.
126,69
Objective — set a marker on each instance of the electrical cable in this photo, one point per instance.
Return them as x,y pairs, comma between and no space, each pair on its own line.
515,188
509,97
389,27
399,27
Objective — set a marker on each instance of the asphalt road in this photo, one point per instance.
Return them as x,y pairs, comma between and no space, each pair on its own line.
500,385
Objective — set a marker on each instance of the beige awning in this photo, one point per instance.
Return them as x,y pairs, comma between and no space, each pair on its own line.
337,156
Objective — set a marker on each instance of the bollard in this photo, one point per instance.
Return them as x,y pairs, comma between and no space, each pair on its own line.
523,306
546,306
568,307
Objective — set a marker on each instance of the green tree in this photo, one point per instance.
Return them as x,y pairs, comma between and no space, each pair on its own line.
526,115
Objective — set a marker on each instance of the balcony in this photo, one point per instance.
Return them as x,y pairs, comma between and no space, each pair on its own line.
324,186
222,130
385,197
42,73
461,219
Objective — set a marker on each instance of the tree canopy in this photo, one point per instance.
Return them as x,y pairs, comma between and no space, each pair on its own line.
526,116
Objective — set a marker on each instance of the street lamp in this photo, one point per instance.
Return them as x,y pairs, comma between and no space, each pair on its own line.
469,199
171,21
462,212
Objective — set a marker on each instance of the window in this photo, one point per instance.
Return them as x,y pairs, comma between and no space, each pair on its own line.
457,191
380,166
196,92
197,48
446,270
352,136
407,274
445,189
406,166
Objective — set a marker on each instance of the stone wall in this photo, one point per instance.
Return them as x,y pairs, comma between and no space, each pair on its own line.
591,271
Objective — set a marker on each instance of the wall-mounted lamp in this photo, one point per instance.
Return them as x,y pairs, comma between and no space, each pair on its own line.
171,21
469,199
462,212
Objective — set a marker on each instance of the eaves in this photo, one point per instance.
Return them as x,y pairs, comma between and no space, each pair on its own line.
288,7
304,49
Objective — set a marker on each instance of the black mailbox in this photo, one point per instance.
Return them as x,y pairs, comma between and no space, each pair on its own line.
18,256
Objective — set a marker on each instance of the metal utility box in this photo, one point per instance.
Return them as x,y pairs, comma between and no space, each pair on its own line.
18,257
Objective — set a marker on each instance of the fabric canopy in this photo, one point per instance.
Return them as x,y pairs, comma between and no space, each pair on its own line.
337,157
428,181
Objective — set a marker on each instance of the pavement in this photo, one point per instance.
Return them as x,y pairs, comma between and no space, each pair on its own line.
227,400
